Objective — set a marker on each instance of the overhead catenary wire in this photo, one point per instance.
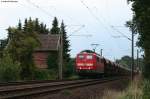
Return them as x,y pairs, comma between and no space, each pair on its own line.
97,18
108,26
91,12
49,14
35,5
94,16
81,27
38,7
121,33
82,35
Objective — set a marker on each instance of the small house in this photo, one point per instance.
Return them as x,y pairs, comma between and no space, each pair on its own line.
49,43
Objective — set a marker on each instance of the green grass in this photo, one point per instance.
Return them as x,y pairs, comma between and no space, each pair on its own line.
146,89
134,91
73,77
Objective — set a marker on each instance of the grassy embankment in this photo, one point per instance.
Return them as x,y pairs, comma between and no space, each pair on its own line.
138,89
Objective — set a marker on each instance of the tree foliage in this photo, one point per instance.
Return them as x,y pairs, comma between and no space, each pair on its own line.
70,68
9,70
44,74
127,60
3,43
66,50
146,88
52,61
23,39
53,58
141,19
55,28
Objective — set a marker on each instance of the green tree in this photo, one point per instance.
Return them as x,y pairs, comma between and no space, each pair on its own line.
43,29
9,70
70,68
141,19
66,50
3,44
53,61
25,25
35,26
55,28
14,37
22,43
19,25
125,61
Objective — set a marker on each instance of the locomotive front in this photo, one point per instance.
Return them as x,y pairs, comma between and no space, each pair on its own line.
86,63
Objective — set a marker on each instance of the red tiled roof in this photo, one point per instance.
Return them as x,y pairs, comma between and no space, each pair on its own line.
49,42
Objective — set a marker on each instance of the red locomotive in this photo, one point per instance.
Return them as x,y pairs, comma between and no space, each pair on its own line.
91,63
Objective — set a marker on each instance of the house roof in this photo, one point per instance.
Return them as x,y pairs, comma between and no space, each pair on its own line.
49,42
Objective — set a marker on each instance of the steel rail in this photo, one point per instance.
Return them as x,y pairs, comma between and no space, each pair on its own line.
30,90
31,82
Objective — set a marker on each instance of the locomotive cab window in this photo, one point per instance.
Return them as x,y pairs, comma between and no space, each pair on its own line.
89,57
80,56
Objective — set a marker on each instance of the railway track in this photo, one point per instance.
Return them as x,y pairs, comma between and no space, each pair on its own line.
30,89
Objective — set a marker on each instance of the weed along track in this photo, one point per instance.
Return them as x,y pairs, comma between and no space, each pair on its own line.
38,88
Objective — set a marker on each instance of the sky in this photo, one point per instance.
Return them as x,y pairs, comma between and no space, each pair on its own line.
87,22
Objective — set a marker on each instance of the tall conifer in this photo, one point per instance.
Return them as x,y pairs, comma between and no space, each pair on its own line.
19,25
55,28
66,50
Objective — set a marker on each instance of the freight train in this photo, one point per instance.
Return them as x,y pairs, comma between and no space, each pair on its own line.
89,63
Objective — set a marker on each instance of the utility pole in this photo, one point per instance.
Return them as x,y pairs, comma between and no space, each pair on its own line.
61,56
132,66
132,47
137,58
1,49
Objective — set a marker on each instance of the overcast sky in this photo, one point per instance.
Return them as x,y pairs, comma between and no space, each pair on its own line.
93,18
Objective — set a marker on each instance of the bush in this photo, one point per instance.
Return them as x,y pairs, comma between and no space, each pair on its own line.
69,70
9,70
52,61
44,74
146,89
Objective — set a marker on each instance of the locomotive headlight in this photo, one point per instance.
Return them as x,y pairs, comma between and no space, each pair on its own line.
89,64
80,64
